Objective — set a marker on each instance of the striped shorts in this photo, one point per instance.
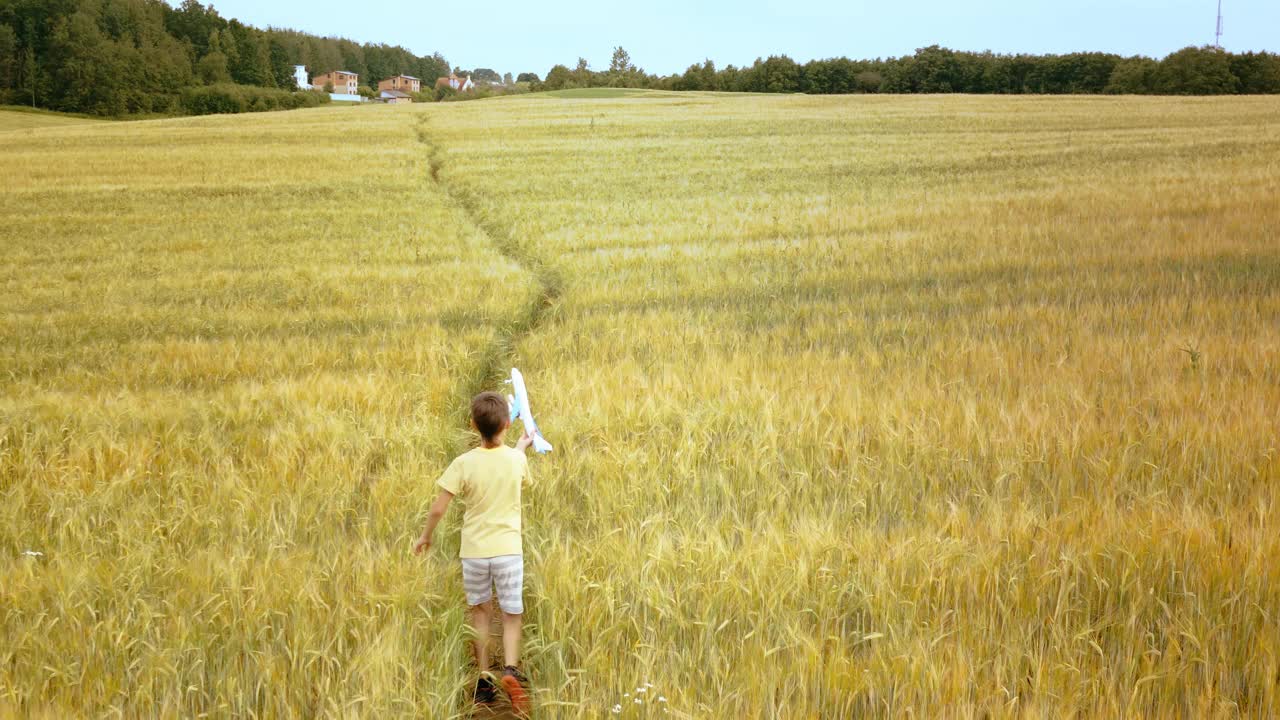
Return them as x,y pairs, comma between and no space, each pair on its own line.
505,572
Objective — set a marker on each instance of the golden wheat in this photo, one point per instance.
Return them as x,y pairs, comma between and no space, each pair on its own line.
890,406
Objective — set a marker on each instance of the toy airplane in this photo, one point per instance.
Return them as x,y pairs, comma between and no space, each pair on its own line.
520,409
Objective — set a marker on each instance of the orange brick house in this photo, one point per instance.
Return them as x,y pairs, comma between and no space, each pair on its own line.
461,84
403,83
344,83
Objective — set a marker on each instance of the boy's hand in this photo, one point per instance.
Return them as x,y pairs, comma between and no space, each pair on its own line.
524,442
424,543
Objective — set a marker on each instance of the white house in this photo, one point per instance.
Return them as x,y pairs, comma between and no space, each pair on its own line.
461,84
300,77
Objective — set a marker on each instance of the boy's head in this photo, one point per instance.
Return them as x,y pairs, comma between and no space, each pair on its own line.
490,414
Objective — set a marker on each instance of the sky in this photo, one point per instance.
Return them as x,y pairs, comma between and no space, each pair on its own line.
666,36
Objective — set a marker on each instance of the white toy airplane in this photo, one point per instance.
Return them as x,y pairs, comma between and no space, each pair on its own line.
520,409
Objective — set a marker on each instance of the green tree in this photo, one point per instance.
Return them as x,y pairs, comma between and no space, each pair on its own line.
777,74
622,72
707,75
1000,75
581,75
10,58
559,77
30,77
936,70
212,68
691,79
30,74
250,63
1258,73
281,63
621,61
730,79
193,23
833,76
531,77
87,79
1133,76
1196,71
506,79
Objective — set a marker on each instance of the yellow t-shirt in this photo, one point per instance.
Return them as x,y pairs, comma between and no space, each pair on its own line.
489,480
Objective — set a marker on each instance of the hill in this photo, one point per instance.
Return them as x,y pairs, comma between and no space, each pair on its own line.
20,118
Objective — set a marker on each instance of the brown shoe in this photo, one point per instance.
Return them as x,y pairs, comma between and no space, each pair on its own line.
513,682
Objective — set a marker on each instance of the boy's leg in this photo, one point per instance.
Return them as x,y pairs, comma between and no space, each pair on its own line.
481,621
511,626
477,581
508,578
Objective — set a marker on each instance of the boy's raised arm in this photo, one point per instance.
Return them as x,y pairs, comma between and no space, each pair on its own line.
436,512
524,442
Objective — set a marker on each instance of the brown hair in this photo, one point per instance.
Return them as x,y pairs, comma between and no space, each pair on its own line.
490,414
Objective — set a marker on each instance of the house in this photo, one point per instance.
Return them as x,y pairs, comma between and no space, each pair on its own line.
342,81
403,83
395,97
300,77
461,84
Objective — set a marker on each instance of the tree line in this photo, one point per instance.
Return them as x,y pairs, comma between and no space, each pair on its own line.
934,69
117,57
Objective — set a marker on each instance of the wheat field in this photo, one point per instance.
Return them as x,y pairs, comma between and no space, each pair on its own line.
22,118
863,406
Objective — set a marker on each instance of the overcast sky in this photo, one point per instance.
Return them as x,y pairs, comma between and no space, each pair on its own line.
666,36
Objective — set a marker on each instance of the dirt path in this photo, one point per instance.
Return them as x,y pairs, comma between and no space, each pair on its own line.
495,361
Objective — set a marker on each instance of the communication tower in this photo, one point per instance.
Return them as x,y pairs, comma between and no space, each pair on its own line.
1217,34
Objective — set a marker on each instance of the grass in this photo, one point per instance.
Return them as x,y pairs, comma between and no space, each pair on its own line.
601,93
889,406
17,117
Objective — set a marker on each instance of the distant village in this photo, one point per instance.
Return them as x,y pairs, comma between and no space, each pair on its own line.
344,86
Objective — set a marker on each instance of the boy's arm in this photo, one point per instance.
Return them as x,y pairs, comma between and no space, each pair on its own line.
436,512
524,442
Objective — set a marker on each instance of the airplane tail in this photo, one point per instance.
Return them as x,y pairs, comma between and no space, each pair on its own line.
540,444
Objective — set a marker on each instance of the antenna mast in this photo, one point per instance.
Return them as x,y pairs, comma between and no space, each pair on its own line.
1217,35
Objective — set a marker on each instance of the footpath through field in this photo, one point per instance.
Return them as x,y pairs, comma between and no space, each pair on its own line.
495,361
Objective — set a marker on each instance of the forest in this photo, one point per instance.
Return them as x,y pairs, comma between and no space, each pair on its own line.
1190,71
125,57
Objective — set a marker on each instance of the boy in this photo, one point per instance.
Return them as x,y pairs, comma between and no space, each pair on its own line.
489,479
